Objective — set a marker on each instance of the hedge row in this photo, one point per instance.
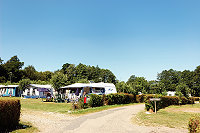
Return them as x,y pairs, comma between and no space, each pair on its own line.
110,99
194,125
9,114
166,101
119,98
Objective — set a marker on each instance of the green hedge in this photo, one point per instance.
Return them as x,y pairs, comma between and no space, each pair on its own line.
95,100
194,125
119,98
142,98
167,101
9,114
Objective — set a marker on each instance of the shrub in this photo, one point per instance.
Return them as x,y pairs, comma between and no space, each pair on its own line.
140,98
9,114
81,104
194,125
95,100
166,101
119,98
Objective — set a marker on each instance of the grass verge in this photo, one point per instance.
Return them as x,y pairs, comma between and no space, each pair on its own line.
168,117
25,127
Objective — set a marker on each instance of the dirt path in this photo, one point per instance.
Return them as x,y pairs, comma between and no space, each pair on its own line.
116,120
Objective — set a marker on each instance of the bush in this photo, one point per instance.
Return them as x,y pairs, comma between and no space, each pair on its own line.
194,125
140,98
9,114
119,98
166,101
95,100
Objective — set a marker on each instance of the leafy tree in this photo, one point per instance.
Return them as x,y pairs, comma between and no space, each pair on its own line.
2,72
83,81
30,72
196,81
12,68
170,78
183,89
139,84
58,80
24,83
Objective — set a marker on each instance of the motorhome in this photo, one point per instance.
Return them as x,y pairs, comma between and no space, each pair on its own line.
78,90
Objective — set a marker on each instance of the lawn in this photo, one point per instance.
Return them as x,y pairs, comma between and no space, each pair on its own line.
172,116
38,105
26,127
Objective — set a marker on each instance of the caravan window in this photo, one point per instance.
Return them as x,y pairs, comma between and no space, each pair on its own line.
98,90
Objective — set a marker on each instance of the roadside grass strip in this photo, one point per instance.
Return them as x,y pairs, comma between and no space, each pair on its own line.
172,116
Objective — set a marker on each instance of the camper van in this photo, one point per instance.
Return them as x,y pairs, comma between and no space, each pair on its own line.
78,90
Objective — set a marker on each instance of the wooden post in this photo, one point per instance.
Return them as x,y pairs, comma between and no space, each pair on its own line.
155,106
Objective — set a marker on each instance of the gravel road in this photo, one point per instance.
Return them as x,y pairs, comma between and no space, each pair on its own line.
116,120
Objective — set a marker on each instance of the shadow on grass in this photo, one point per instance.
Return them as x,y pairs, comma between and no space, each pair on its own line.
22,126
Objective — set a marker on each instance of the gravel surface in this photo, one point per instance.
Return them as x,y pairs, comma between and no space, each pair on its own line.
116,120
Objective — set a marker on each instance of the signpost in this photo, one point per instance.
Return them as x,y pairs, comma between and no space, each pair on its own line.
155,100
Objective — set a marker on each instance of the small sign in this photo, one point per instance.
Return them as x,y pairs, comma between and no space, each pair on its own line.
154,99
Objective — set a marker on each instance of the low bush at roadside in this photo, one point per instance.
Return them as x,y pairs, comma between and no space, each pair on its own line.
194,125
166,101
119,98
95,100
9,114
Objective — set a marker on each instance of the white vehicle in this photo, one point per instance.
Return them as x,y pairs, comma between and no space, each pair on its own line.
80,89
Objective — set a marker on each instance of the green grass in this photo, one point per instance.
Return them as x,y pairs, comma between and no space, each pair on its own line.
26,127
37,104
167,118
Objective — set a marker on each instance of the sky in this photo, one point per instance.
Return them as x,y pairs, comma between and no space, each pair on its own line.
128,37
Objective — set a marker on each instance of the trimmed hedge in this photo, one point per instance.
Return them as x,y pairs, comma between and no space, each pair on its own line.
95,100
9,114
119,98
194,125
167,101
142,98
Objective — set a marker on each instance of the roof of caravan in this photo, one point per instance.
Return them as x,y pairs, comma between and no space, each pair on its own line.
9,86
98,85
41,86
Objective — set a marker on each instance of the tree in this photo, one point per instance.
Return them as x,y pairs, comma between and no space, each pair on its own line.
83,81
139,84
58,80
12,68
2,72
30,72
183,89
170,78
23,84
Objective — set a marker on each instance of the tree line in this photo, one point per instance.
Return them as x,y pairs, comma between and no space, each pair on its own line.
183,82
11,71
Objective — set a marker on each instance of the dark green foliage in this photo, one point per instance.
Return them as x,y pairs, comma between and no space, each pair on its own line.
119,98
194,125
80,104
12,69
166,101
95,100
9,114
